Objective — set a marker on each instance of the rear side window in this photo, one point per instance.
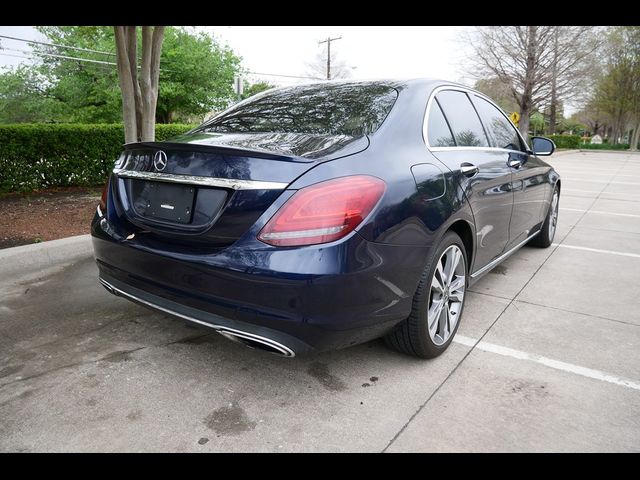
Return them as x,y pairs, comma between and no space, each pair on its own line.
463,119
439,132
504,134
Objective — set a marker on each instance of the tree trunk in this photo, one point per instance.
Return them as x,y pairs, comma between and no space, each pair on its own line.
526,101
126,86
635,138
132,51
139,88
554,79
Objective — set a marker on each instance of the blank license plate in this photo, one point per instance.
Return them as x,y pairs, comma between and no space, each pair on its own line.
164,201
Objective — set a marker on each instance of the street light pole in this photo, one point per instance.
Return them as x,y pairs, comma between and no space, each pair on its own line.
328,42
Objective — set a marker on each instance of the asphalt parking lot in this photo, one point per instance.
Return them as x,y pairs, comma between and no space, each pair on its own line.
547,358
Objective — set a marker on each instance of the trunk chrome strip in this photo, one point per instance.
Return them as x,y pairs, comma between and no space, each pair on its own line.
495,262
233,183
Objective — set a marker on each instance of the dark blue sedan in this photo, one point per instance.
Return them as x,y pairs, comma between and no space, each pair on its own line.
321,216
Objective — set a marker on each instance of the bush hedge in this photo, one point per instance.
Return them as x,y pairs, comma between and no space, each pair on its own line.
35,156
605,146
566,141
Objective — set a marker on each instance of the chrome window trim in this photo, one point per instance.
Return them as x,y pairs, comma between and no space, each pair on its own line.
495,262
469,91
286,351
233,183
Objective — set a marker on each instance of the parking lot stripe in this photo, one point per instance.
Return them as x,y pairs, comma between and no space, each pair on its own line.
548,362
613,182
597,250
600,212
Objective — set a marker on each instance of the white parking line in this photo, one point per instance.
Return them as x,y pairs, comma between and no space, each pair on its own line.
602,192
597,250
548,362
612,182
600,212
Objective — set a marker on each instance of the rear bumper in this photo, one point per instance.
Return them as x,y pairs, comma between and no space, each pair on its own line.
301,299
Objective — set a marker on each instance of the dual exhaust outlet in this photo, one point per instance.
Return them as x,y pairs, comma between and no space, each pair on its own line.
245,338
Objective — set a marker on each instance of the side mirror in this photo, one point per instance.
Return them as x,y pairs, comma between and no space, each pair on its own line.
542,146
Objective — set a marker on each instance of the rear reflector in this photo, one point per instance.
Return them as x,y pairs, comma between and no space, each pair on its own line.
323,212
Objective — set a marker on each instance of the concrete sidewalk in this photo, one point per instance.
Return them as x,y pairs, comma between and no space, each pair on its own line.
547,358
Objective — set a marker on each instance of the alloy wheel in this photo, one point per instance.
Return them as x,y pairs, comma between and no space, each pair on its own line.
553,220
447,294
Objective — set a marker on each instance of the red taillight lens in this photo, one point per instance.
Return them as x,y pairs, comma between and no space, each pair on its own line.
323,212
103,199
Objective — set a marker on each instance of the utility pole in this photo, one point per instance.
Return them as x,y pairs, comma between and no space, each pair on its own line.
328,42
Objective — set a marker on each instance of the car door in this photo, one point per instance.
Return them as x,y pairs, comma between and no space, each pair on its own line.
457,138
528,173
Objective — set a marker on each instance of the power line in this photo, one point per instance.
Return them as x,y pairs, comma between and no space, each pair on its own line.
102,62
35,54
286,76
89,50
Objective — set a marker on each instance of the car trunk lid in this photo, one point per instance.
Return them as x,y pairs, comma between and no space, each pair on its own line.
210,188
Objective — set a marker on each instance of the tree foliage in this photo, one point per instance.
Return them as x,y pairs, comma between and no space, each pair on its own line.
617,93
255,88
539,64
196,77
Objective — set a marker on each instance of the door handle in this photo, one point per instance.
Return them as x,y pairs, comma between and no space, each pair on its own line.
468,169
514,164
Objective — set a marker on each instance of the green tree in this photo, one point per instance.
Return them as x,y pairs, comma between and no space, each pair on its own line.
196,75
537,123
88,92
24,98
254,88
499,91
618,91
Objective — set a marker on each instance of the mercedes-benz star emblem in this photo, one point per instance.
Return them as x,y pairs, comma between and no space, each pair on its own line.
160,160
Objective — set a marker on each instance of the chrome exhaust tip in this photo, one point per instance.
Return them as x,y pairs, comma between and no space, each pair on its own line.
259,343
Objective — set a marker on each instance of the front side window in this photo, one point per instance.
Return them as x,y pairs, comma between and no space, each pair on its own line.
504,134
463,119
354,110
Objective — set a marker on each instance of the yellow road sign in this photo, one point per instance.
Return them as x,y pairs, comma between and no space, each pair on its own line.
515,118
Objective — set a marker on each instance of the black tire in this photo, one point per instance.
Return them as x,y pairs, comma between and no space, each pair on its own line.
547,233
412,335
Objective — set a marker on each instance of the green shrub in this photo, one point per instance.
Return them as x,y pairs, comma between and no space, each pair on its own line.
566,141
35,156
605,146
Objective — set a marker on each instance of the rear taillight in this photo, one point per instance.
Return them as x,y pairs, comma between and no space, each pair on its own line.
103,199
323,212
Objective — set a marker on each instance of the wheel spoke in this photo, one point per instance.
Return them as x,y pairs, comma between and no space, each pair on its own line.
453,259
436,285
440,273
444,323
434,315
457,284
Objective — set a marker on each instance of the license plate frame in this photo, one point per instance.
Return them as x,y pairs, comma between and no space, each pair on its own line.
166,202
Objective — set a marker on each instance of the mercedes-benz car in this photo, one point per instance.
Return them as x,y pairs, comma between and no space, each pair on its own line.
321,216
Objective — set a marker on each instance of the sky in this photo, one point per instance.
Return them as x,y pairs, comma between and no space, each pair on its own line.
368,52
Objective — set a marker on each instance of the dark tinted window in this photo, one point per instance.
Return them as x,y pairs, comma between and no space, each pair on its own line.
437,128
340,109
504,134
463,119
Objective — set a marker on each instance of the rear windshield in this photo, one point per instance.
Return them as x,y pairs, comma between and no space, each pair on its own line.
355,109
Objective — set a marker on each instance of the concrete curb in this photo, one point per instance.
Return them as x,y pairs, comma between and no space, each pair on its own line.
38,256
564,152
